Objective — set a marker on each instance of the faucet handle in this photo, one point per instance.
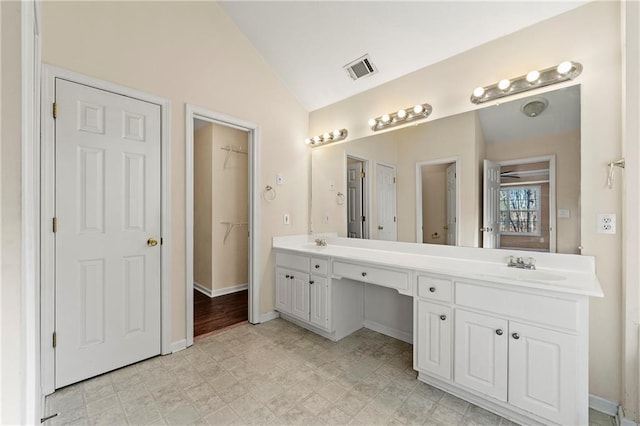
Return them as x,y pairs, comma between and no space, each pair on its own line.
531,263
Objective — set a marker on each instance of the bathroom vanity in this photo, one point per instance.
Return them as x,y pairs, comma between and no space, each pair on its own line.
513,341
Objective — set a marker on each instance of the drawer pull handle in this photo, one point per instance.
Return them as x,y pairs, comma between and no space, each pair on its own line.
317,266
499,332
364,274
291,276
443,317
432,289
515,336
288,276
311,282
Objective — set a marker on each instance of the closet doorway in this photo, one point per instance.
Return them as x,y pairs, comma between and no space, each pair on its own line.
220,186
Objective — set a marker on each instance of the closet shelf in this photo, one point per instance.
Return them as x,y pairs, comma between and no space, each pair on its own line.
230,149
230,226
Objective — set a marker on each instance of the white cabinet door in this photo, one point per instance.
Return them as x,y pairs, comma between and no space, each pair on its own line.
434,339
300,295
319,288
543,372
481,353
283,290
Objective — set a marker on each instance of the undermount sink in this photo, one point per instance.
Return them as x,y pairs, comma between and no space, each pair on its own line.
526,275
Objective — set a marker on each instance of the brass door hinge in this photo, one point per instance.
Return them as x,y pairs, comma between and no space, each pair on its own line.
394,180
362,175
54,225
363,218
55,110
55,339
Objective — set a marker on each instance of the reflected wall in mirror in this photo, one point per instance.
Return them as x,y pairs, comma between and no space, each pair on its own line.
542,151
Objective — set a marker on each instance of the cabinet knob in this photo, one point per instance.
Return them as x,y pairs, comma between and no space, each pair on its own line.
432,289
311,282
499,332
515,336
292,277
364,274
288,276
317,266
443,317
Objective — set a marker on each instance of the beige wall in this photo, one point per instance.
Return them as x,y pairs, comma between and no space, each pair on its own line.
202,193
11,355
566,148
434,204
230,204
191,52
590,35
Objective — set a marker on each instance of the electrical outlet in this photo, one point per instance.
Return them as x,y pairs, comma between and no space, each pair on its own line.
286,219
606,223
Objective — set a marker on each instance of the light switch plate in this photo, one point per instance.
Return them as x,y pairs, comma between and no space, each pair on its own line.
286,219
564,213
279,179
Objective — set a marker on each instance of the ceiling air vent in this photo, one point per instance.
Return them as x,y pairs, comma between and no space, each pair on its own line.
361,67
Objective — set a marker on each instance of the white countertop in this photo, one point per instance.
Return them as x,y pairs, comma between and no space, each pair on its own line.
562,273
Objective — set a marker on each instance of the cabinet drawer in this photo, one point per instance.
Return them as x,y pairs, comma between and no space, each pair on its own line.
293,261
372,274
434,288
552,311
319,266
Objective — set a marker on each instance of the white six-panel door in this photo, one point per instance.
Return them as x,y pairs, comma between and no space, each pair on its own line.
451,200
354,201
386,202
107,278
491,205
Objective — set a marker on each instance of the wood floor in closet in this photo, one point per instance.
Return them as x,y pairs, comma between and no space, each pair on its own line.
217,313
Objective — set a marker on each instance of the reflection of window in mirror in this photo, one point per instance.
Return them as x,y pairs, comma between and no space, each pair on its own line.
520,211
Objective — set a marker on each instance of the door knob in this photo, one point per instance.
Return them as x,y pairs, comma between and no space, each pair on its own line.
380,227
152,242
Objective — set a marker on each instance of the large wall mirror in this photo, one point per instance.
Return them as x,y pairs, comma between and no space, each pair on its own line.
504,176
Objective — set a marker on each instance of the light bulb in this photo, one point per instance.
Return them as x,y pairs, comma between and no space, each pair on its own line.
533,76
385,118
504,84
337,133
478,92
316,139
326,136
564,67
307,141
402,114
373,122
418,109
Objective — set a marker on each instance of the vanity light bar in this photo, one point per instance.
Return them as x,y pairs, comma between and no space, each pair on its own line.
327,137
403,116
567,70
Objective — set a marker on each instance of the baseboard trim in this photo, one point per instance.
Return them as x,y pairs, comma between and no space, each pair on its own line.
221,292
622,420
603,405
269,316
388,331
178,346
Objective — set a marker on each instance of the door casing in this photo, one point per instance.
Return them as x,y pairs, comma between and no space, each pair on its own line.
47,212
192,112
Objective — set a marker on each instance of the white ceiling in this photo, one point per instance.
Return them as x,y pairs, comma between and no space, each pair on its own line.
308,42
505,122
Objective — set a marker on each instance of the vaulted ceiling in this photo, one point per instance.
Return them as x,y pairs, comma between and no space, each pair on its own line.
307,43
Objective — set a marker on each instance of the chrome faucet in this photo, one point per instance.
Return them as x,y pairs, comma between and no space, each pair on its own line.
520,264
321,242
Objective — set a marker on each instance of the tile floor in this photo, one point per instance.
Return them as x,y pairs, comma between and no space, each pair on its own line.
272,373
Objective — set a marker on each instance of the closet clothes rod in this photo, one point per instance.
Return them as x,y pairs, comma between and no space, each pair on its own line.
230,149
230,226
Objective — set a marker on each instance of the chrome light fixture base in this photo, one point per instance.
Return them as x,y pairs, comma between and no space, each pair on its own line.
403,116
327,137
568,70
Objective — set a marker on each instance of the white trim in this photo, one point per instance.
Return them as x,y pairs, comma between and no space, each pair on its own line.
32,408
367,191
446,160
603,405
178,346
388,331
191,112
553,233
47,209
269,316
220,292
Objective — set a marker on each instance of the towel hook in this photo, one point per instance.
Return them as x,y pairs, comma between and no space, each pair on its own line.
612,164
